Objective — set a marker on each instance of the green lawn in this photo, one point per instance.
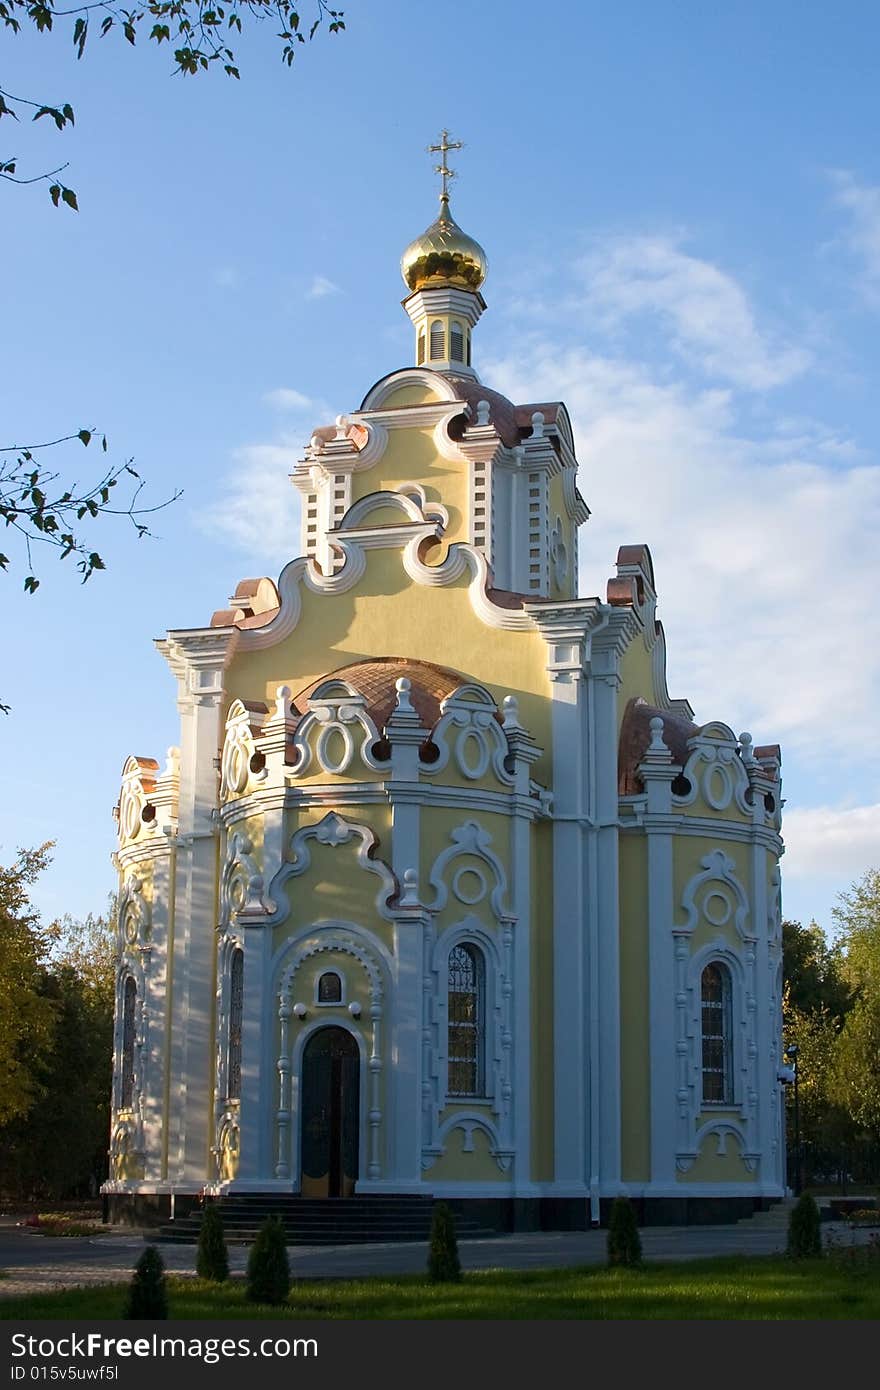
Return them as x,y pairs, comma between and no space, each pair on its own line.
719,1288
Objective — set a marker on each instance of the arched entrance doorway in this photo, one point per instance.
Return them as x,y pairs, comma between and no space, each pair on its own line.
330,1108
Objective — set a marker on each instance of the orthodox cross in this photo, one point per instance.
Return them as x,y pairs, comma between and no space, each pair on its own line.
442,169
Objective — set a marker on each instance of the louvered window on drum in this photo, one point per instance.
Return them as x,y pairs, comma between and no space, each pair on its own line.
456,343
420,356
236,1002
129,1002
466,1015
437,341
716,1039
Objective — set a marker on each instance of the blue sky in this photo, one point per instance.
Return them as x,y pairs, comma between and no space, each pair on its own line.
681,208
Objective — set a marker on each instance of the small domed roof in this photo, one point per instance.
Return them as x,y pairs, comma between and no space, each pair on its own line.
375,680
444,255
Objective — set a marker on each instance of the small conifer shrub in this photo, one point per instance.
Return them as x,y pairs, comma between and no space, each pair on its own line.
444,1266
624,1242
804,1232
212,1260
147,1293
268,1268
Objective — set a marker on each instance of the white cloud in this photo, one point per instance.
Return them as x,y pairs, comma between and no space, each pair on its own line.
830,840
764,545
712,323
285,398
321,287
258,511
862,236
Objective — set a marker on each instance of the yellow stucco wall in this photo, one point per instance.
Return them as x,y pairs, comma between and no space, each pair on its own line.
712,1167
387,614
411,456
456,1166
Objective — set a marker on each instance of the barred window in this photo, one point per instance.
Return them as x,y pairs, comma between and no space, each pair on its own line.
715,999
330,988
466,1021
129,1001
236,1004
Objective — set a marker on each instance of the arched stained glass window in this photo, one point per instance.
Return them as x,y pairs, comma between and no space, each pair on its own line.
715,1011
236,1004
466,1021
330,988
129,1002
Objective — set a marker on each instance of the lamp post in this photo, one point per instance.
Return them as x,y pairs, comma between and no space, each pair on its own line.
791,1053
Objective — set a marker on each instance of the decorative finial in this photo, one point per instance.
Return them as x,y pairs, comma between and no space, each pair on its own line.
443,169
483,412
403,686
657,745
410,895
510,705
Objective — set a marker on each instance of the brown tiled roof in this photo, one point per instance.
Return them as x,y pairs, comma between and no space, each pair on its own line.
430,684
635,735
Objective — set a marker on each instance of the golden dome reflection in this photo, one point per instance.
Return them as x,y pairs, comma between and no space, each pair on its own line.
444,255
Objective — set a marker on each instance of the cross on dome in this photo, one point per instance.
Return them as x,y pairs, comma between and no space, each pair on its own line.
442,168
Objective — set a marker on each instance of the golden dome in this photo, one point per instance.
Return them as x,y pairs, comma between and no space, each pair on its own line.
444,255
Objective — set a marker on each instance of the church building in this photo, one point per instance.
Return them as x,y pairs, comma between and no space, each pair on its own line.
442,894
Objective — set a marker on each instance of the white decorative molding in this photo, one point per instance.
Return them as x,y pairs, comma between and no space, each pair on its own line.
470,840
717,869
335,711
469,731
333,830
242,887
715,770
493,1112
334,938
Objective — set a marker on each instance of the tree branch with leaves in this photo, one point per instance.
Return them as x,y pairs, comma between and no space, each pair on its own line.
199,32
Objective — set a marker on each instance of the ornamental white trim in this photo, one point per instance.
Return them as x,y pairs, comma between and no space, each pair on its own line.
335,710
470,840
322,938
480,741
333,830
494,1112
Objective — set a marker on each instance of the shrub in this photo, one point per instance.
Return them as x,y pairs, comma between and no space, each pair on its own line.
444,1266
268,1268
804,1233
212,1260
624,1242
147,1294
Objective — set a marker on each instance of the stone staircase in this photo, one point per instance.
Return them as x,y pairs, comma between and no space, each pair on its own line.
774,1219
325,1221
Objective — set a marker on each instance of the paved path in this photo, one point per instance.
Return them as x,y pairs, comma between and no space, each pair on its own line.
40,1264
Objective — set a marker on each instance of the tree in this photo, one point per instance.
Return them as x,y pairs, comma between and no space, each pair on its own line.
148,1291
199,33
34,502
444,1266
26,1014
804,1231
268,1268
813,972
857,1074
624,1241
58,1148
212,1259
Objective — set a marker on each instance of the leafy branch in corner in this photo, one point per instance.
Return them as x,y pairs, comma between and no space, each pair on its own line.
33,504
198,31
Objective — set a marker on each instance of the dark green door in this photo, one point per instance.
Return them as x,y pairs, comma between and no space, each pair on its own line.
330,1105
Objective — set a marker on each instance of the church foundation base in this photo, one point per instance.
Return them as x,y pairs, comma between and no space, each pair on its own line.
504,1215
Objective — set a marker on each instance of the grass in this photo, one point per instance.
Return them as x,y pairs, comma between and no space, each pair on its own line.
728,1288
